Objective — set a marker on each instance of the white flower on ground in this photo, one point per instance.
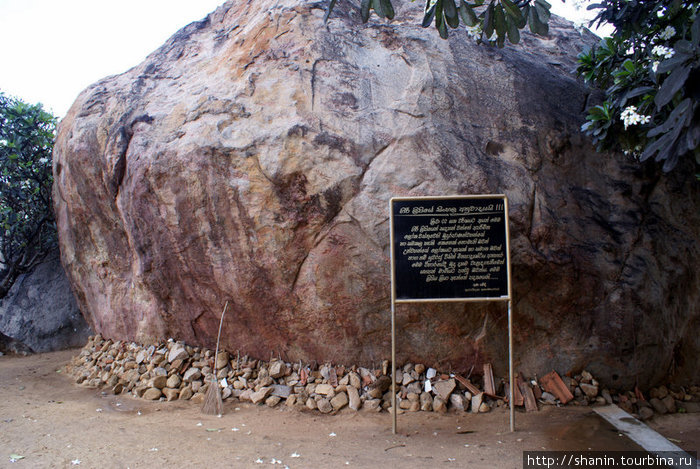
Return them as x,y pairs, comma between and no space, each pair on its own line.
654,66
474,31
630,117
661,12
43,160
663,51
667,33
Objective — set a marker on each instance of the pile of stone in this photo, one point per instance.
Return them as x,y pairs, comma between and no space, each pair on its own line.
173,370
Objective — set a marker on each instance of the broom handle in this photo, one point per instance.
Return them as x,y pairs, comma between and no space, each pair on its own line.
221,322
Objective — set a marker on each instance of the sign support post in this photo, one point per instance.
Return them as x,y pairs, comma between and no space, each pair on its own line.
454,249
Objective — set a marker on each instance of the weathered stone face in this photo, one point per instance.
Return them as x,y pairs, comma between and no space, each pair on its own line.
251,160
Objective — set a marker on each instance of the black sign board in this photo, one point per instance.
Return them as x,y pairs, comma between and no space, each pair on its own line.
450,248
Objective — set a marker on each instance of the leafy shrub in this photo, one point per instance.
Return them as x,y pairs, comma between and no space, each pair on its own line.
27,227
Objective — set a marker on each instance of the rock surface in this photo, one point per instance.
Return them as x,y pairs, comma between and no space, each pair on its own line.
252,157
41,312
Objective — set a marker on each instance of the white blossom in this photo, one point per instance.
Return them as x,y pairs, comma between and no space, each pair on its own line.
661,12
654,66
474,31
663,51
667,33
630,117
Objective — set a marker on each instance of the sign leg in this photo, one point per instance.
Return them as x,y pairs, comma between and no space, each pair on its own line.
510,368
393,367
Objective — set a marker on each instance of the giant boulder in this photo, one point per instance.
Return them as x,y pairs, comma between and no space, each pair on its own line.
251,158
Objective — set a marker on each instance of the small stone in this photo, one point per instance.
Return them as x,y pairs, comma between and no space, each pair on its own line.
354,401
419,368
141,356
246,395
221,360
431,373
339,401
186,393
691,407
272,401
260,395
645,413
548,398
415,407
439,405
586,377
192,374
457,401
407,379
198,398
226,392
606,395
600,400
325,390
444,388
658,406
152,394
405,404
159,382
589,390
291,400
354,380
239,384
415,387
174,381
277,369
324,406
484,407
178,352
281,390
196,385
311,404
160,371
372,404
171,394
670,404
476,402
426,402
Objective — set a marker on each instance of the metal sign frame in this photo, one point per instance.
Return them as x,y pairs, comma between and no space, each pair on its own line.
508,297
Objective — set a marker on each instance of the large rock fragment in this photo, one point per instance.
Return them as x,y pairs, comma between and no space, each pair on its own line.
252,158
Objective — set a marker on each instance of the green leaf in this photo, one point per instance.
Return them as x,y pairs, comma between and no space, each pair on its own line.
388,9
513,31
440,20
671,85
514,12
430,7
451,15
499,19
364,10
489,21
467,13
378,8
678,116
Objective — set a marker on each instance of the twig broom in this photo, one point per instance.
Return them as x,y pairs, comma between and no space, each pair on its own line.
213,404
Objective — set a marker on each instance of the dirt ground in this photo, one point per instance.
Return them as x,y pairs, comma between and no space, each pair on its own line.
52,422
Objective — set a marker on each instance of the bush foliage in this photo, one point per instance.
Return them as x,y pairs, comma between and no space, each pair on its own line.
650,71
27,227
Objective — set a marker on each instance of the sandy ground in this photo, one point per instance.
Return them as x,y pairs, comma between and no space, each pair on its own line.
55,423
